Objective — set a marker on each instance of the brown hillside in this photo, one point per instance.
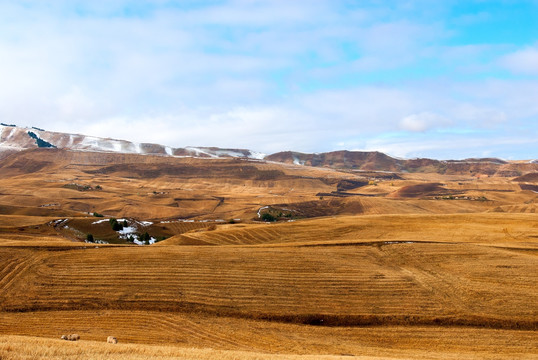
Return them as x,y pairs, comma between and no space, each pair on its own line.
531,177
414,191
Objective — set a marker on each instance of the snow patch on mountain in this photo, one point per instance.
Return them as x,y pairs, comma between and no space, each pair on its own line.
14,138
257,155
199,151
296,161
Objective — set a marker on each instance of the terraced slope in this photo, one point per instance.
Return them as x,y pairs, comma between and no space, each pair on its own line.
515,230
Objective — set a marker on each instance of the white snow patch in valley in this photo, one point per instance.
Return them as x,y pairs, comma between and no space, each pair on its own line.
100,221
58,222
169,150
152,241
145,223
262,208
126,231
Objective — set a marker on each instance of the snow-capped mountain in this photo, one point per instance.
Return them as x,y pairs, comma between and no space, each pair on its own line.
14,138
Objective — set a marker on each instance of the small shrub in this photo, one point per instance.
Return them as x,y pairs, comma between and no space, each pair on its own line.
116,226
268,217
40,142
145,237
89,238
96,214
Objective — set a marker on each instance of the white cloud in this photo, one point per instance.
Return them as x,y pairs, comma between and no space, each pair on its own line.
524,61
75,104
453,146
266,75
422,121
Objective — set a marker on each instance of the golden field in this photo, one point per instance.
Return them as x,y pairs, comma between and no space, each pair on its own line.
417,266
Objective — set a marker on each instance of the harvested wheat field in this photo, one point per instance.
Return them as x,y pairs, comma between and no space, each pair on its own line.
418,266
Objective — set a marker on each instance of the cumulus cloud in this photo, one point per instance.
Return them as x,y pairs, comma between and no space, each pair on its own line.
422,121
524,61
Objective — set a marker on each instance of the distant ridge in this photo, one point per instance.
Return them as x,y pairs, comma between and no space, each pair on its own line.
377,161
14,138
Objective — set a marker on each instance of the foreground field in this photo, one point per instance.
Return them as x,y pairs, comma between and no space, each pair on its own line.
362,344
361,292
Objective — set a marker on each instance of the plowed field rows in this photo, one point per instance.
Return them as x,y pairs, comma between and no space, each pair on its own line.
192,337
382,283
491,228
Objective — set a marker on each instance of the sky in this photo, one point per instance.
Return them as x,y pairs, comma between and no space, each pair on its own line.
419,78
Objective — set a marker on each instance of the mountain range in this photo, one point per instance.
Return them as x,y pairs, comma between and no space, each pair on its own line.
14,139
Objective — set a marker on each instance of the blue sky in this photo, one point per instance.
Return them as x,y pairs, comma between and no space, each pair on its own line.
443,79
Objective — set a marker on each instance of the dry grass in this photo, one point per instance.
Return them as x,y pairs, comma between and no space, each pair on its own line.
31,348
517,230
153,187
385,276
268,341
339,285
